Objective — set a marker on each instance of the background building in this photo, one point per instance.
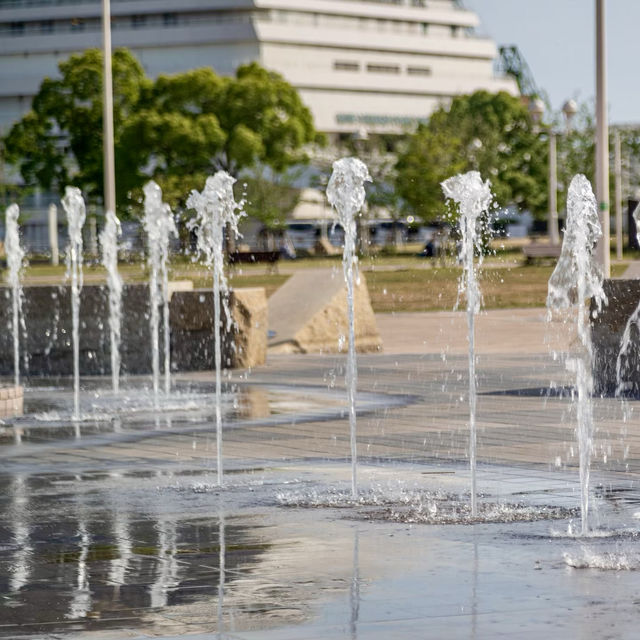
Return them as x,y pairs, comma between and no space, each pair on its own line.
381,65
365,66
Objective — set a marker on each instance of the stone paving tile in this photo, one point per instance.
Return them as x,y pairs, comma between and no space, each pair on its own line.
300,566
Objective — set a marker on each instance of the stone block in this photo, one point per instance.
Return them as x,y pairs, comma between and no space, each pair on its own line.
309,314
607,328
11,401
48,336
193,344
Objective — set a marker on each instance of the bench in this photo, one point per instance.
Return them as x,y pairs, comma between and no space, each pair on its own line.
541,251
254,257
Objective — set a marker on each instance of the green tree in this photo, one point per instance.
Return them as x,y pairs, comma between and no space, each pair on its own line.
59,141
490,133
195,123
270,196
176,130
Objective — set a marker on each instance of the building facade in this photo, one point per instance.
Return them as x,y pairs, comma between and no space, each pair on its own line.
377,65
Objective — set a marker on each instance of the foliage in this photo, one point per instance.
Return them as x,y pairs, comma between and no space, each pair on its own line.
270,196
196,123
576,153
59,141
176,130
490,133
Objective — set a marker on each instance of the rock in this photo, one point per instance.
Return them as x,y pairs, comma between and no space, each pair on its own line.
308,314
11,401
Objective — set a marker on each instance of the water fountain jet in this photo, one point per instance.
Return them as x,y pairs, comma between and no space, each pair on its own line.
473,196
74,207
159,226
216,209
346,194
15,256
577,276
109,245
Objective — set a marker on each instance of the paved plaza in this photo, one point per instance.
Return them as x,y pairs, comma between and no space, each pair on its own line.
114,527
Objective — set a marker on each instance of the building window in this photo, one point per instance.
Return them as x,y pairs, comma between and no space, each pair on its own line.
383,68
170,19
425,28
342,65
46,26
17,28
455,31
77,24
419,71
138,21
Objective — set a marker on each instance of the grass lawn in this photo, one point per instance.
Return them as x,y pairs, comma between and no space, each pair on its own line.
396,283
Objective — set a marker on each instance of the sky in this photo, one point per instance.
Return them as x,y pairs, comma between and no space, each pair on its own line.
557,39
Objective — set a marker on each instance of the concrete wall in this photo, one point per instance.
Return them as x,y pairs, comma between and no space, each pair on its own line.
607,329
48,342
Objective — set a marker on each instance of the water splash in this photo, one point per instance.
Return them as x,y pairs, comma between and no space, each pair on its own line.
109,245
15,257
159,226
577,276
473,197
418,506
73,204
216,209
346,194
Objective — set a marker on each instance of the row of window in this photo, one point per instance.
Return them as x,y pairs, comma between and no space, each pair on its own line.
360,23
412,70
137,21
171,19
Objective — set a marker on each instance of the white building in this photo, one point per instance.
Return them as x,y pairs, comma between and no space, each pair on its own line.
381,65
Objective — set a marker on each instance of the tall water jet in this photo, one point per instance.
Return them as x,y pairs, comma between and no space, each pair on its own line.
73,204
159,226
109,246
15,256
473,197
578,276
216,209
346,194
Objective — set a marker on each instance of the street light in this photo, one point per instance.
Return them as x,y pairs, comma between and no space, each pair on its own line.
602,141
569,109
107,112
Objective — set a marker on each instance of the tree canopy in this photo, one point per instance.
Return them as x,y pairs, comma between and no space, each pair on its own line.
59,141
490,133
177,129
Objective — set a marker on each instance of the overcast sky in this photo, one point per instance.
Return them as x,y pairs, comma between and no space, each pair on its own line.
557,39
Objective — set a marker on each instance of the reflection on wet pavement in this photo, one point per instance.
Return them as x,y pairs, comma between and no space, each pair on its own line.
115,529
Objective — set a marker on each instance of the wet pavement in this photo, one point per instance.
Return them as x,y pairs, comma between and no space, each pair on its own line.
114,527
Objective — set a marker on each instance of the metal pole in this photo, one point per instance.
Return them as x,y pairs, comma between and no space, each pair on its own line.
107,110
618,174
53,234
552,221
602,140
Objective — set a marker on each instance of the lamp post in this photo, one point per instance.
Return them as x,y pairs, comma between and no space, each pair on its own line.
602,141
107,112
618,192
569,109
